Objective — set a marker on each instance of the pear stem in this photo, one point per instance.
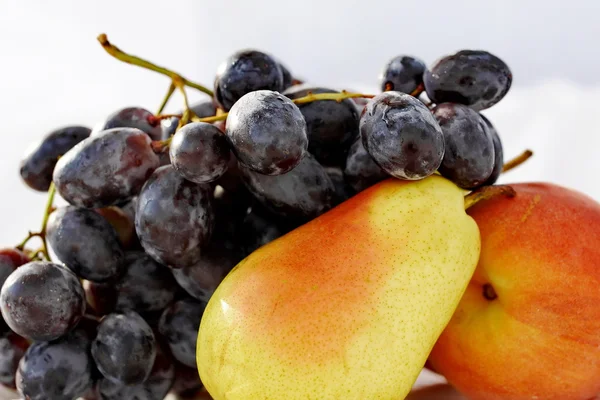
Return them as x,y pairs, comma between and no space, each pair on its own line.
488,192
518,160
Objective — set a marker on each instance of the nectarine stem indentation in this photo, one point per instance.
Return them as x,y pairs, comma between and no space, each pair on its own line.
489,292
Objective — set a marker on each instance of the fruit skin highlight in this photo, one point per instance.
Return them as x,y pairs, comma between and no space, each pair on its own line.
540,337
346,306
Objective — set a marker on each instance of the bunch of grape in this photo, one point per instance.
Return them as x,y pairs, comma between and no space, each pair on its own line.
161,207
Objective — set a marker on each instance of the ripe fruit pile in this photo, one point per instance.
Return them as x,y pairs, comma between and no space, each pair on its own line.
163,206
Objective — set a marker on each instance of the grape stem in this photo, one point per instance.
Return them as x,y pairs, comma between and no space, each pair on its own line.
166,99
418,90
140,62
518,160
488,192
42,233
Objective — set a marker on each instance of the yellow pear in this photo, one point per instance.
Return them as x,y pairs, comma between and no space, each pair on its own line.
347,306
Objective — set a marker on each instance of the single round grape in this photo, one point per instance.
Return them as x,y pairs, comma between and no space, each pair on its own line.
179,324
105,169
402,136
156,387
59,370
121,222
200,152
268,132
187,383
124,348
244,72
174,218
331,126
201,279
288,80
39,162
402,74
474,78
361,170
12,349
42,301
86,243
342,191
469,159
145,286
305,192
498,153
132,117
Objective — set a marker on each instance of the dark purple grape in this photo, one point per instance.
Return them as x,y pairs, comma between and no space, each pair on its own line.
86,243
361,170
402,74
145,286
132,117
174,218
179,324
342,191
38,164
288,80
402,136
187,383
268,132
498,153
12,349
105,169
474,78
10,259
305,192
59,370
230,208
244,72
200,152
258,229
469,158
201,280
156,387
124,348
42,301
331,126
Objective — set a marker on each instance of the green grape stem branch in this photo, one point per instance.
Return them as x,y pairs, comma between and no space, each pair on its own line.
42,233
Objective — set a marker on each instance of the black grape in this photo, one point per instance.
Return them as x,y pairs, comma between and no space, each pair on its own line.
498,153
200,152
179,324
332,126
105,169
187,383
342,191
258,229
124,348
86,243
42,301
402,136
402,74
361,170
244,72
288,80
469,158
474,78
59,370
132,117
174,218
39,162
267,132
304,193
201,279
12,349
156,387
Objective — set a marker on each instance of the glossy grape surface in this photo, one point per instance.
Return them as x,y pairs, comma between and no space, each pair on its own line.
402,74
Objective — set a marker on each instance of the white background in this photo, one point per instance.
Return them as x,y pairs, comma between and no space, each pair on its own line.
53,72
